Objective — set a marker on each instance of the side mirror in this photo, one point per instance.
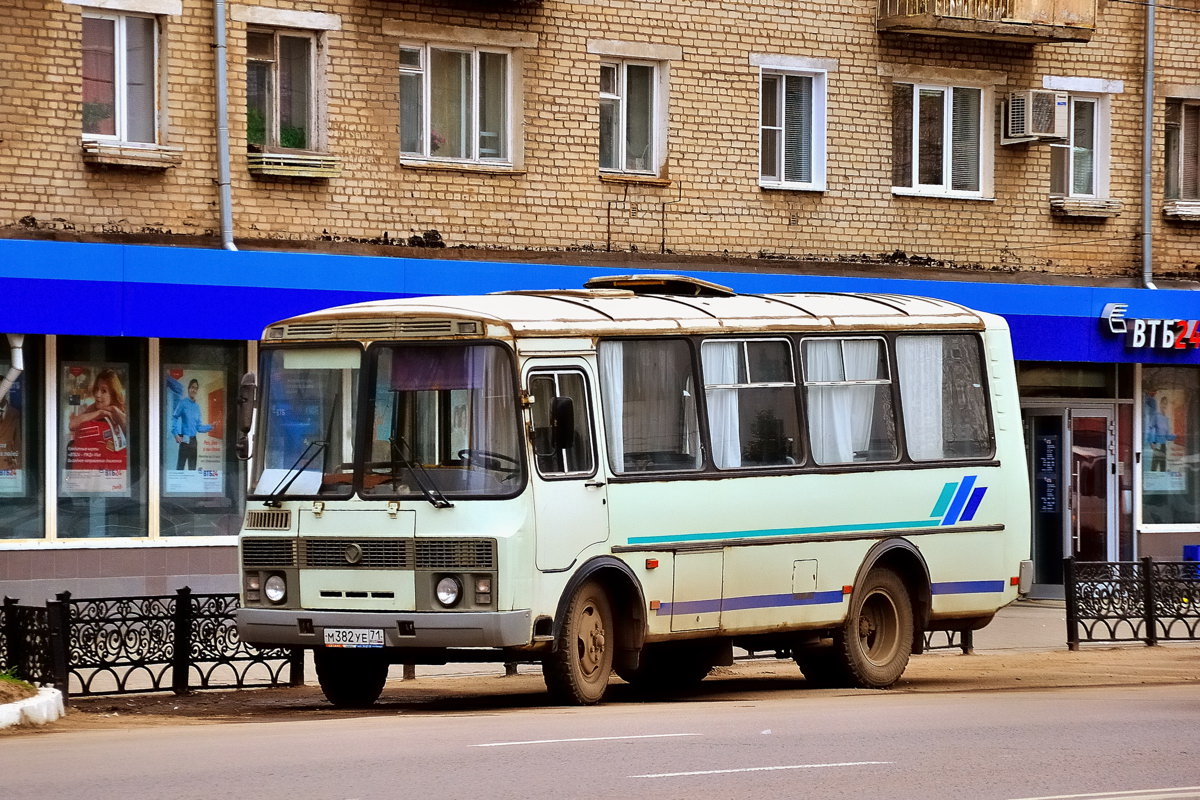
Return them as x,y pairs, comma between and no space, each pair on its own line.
562,423
247,399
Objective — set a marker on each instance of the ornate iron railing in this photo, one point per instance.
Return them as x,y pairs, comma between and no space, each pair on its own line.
1131,601
179,642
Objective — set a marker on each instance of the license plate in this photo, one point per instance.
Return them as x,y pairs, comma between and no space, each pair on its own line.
354,637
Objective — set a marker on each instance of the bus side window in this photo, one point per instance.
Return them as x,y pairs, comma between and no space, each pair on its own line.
848,396
562,430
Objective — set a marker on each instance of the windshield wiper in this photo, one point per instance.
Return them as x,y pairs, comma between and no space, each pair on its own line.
296,469
428,487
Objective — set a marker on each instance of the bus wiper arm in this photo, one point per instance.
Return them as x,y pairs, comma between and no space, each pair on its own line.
424,482
307,456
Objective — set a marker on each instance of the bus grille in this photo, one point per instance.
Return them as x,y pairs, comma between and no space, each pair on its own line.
273,519
456,554
262,553
358,553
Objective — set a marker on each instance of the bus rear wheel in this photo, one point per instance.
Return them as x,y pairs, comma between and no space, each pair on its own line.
350,678
875,641
578,670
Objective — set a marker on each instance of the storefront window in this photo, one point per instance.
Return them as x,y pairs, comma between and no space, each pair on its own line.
101,408
202,480
1170,445
21,436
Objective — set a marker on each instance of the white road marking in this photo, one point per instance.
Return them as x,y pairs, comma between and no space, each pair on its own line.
1176,793
587,739
763,769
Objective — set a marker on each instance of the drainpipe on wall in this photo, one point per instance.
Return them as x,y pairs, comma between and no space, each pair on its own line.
15,340
223,179
1147,152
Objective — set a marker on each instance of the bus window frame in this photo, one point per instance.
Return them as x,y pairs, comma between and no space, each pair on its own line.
540,370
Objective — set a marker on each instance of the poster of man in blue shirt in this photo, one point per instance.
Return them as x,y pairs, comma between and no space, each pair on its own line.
186,424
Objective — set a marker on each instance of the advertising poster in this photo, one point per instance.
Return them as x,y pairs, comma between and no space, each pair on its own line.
12,463
1164,427
94,429
193,440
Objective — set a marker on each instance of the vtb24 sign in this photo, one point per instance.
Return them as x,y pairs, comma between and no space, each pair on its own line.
1154,334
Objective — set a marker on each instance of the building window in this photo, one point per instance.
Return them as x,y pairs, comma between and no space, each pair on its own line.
937,140
628,117
454,103
1183,150
120,66
22,433
792,130
1079,167
1170,445
280,98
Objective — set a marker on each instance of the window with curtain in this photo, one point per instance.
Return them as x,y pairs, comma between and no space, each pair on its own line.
120,83
578,456
454,103
1076,166
942,397
647,387
628,117
750,389
1182,150
791,130
848,401
937,136
280,97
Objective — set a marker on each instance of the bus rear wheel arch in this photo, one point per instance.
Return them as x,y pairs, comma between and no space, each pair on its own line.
874,643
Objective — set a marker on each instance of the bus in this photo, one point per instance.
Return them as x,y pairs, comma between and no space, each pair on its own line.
636,477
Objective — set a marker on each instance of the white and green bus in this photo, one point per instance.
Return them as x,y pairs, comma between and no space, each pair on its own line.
632,478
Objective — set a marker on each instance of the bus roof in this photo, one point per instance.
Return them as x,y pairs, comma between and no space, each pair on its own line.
637,308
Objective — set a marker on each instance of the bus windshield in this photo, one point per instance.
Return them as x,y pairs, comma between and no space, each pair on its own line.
444,423
306,434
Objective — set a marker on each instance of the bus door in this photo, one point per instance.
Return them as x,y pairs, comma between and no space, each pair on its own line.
570,495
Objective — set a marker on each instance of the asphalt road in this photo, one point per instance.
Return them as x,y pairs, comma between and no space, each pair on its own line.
1129,742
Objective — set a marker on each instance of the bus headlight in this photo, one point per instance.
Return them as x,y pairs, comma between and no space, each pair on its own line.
448,591
275,588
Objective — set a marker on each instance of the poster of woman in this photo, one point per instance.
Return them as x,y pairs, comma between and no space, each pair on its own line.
193,431
12,466
94,430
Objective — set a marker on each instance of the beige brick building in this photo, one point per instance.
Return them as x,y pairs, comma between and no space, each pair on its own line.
1000,148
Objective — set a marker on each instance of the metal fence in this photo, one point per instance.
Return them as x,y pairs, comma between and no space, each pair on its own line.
115,645
1131,601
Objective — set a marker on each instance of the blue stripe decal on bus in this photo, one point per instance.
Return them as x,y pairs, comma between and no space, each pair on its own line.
967,587
973,504
744,603
960,500
943,501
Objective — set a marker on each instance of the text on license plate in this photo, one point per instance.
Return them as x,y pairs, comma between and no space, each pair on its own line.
354,637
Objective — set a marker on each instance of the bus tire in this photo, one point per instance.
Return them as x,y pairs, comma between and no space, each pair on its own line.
578,670
350,678
875,641
669,669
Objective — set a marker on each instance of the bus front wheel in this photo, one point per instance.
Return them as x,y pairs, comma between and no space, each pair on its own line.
350,678
875,641
579,668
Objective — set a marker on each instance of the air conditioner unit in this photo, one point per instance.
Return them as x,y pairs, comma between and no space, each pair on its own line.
1037,113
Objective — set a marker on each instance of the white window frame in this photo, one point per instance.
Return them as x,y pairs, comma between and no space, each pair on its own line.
475,153
985,134
120,80
816,130
316,102
653,158
1176,166
1063,166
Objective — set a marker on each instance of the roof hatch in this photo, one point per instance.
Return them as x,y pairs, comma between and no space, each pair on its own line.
661,284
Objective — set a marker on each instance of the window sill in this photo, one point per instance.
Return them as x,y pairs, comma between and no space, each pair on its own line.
292,165
640,180
902,192
791,187
1182,210
1092,208
114,154
472,168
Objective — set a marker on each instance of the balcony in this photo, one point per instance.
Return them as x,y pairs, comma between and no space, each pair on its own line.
1027,21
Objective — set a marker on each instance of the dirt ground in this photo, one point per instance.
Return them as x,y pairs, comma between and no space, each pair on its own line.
754,679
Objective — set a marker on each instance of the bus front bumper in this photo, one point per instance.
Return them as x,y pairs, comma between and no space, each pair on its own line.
274,627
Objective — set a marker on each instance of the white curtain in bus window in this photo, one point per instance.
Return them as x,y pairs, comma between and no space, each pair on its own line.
750,389
649,405
941,391
720,363
849,405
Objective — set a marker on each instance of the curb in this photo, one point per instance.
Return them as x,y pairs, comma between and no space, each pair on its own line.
47,706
